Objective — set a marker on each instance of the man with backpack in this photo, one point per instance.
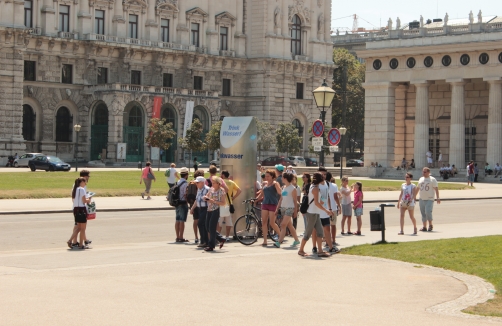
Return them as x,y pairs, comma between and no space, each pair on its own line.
191,197
178,198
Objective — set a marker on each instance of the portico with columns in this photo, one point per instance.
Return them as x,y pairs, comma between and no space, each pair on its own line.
444,96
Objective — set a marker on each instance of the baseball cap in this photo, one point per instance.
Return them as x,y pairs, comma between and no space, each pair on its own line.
183,170
290,166
200,179
279,167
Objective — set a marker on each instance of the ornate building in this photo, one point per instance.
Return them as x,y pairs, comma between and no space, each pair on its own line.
100,63
434,85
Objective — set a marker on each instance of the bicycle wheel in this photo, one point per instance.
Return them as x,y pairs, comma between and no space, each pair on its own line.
246,229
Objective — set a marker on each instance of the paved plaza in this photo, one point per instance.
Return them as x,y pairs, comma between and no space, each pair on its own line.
136,273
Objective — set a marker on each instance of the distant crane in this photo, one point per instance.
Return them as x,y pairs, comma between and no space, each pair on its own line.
355,23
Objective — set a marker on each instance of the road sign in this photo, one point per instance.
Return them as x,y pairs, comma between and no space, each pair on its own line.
333,149
317,141
334,136
317,148
318,128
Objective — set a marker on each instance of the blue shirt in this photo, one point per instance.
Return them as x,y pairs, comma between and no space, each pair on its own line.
201,193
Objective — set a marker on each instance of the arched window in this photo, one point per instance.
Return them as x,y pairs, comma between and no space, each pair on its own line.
170,115
296,36
201,114
29,119
135,117
64,126
298,125
101,115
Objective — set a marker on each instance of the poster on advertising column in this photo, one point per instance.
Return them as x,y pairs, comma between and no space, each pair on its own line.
238,138
188,117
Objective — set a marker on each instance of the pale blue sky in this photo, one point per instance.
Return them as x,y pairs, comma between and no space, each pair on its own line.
375,11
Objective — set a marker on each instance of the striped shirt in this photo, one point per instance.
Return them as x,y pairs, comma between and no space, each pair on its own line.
200,194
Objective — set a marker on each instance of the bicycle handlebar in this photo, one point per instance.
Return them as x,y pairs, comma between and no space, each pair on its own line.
249,200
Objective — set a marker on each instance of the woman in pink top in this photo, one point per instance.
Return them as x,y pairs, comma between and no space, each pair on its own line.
148,181
358,204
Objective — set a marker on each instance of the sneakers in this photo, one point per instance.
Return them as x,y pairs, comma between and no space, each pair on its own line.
227,239
277,244
87,242
295,243
334,250
314,250
196,241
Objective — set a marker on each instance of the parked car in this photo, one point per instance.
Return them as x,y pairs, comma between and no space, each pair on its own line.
298,160
352,163
311,161
215,162
24,159
48,163
271,161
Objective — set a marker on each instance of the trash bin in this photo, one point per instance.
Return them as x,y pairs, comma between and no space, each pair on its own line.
140,166
376,220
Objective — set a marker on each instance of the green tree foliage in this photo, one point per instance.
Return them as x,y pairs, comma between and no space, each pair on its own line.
160,133
213,136
287,139
194,139
266,136
355,98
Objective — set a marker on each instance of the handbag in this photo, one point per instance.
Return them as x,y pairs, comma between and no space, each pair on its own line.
150,175
91,210
224,210
231,208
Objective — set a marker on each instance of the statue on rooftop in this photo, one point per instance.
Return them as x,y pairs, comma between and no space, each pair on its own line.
421,21
398,23
446,19
471,18
480,17
389,24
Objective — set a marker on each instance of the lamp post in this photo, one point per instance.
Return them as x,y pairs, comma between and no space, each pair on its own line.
77,130
323,97
342,130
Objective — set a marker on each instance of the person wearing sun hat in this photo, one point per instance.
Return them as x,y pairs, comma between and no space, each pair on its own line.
290,170
279,168
182,208
200,209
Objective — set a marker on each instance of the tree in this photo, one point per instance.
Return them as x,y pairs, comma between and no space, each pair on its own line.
194,140
355,97
213,136
266,136
160,134
287,139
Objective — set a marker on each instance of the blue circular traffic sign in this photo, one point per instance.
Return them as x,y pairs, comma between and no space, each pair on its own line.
318,128
334,137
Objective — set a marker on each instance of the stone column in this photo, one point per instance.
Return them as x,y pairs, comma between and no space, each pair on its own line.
119,26
48,23
327,21
400,126
284,13
84,18
211,39
182,29
379,123
457,125
152,31
240,38
421,141
494,148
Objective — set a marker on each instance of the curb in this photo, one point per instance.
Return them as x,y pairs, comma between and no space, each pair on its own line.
60,211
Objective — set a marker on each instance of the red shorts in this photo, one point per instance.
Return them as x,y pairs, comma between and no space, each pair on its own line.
268,207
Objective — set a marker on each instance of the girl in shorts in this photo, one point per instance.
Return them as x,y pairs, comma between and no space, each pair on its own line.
357,188
289,208
271,194
79,210
407,203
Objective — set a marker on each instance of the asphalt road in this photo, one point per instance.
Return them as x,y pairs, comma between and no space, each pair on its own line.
136,274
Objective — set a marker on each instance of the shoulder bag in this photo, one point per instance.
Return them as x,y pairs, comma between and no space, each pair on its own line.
150,174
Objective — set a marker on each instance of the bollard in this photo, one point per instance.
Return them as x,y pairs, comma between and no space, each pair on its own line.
140,166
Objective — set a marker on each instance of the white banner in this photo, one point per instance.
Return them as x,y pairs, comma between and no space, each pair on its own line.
188,117
155,153
121,151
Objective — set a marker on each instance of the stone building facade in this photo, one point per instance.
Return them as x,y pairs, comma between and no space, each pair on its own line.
100,63
436,87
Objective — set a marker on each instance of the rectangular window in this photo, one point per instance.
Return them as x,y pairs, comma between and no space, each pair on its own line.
67,74
226,87
64,18
197,82
135,77
167,80
28,13
224,38
102,75
164,30
195,34
133,26
99,22
29,70
299,91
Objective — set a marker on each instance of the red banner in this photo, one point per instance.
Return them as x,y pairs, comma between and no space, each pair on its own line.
157,103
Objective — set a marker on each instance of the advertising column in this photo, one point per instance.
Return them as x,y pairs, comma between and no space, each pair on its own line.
238,137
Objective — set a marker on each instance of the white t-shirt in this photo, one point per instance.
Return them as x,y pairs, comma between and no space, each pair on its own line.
497,168
408,191
77,201
346,200
323,192
313,209
426,187
172,176
258,176
333,193
288,200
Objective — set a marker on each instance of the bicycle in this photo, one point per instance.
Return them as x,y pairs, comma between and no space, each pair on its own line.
248,228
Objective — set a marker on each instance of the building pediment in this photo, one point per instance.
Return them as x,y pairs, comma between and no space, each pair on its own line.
167,5
135,5
225,16
196,11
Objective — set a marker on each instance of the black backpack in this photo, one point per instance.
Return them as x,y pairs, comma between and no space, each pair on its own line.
174,195
304,206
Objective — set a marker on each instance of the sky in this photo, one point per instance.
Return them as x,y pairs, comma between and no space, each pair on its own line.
373,14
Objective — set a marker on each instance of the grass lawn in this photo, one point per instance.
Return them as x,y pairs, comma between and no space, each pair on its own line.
124,183
480,256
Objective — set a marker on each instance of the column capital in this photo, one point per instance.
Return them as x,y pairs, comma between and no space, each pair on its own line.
456,81
493,80
422,83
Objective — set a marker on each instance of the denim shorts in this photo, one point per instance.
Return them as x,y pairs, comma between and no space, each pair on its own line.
471,177
181,213
358,211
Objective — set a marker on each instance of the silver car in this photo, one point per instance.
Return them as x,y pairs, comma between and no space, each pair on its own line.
24,159
298,160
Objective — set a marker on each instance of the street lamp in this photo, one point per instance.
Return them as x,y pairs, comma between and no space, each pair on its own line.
323,97
342,130
77,129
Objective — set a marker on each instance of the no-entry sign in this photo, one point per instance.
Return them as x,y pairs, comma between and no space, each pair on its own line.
334,137
318,128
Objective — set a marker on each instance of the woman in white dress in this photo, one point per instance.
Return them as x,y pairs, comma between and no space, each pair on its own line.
407,203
